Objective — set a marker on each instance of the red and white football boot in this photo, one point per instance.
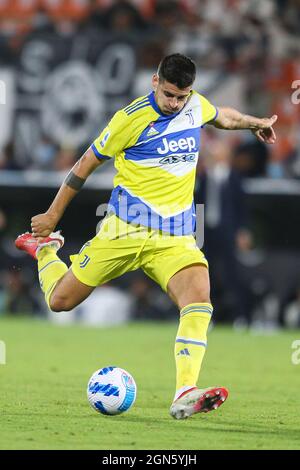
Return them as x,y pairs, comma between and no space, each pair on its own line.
198,400
28,243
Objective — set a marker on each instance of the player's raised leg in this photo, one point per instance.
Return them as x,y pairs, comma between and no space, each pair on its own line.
190,289
68,293
62,290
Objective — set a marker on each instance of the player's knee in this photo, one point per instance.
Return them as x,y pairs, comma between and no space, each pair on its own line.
196,295
200,292
200,299
204,296
59,304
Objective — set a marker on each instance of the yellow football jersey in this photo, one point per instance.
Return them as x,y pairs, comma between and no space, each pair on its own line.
155,157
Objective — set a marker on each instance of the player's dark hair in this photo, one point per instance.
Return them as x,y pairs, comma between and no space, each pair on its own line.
177,69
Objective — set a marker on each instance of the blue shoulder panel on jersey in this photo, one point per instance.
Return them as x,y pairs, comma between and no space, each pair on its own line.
98,154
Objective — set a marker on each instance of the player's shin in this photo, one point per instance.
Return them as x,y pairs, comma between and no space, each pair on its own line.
51,270
190,344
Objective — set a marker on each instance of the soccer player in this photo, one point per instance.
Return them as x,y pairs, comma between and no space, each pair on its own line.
150,223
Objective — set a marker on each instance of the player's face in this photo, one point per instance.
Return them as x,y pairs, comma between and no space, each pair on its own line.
168,97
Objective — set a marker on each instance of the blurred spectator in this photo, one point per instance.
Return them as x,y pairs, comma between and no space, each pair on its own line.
291,314
6,56
16,15
145,7
18,297
65,159
150,303
42,23
7,158
122,17
3,221
3,224
70,10
168,15
4,255
16,293
43,155
250,159
289,11
151,53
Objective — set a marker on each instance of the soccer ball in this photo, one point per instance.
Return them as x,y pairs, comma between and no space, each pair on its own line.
111,391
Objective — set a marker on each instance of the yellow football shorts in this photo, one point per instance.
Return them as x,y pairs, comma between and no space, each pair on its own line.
120,247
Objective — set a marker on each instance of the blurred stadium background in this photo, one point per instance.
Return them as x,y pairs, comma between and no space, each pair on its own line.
67,65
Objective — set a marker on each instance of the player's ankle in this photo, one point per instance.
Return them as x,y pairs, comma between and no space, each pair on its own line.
45,250
183,390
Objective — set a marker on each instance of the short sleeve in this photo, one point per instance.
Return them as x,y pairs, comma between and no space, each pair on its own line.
209,111
113,139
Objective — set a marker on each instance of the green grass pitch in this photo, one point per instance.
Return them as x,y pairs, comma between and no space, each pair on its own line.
43,389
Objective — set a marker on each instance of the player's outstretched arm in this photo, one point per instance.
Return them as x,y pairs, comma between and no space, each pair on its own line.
43,224
231,119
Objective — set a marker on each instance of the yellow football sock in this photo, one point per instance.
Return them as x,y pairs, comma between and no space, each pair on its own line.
51,269
190,344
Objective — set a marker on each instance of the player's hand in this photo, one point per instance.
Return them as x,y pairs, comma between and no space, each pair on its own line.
42,225
264,131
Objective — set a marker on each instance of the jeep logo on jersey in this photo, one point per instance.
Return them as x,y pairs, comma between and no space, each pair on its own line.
188,144
178,158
